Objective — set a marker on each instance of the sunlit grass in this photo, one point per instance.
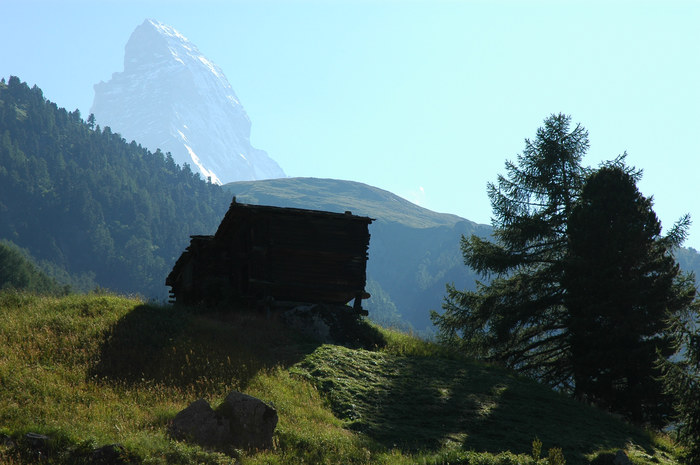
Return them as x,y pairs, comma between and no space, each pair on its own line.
50,349
101,369
429,406
409,345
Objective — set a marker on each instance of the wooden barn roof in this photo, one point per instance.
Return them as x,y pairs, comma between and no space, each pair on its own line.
236,207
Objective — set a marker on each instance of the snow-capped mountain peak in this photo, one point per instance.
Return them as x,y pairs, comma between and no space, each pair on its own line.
170,96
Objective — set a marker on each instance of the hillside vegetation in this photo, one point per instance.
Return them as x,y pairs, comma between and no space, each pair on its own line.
18,271
100,369
85,200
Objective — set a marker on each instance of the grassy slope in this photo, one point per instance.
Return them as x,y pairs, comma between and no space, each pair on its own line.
94,370
339,196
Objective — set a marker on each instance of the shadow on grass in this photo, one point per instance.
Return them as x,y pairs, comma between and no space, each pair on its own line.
193,351
525,410
486,409
430,402
422,404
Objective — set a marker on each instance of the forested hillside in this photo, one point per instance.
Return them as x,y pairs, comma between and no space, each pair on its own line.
81,197
17,271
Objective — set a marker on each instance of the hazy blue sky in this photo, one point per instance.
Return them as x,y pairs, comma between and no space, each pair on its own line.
426,99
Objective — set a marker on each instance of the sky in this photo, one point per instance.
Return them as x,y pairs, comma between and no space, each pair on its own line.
426,99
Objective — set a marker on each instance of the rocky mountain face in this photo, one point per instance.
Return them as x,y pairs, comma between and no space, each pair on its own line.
172,97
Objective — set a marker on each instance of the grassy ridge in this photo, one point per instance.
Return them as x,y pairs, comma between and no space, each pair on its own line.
338,196
100,369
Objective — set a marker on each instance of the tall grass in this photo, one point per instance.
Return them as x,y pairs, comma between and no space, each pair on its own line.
101,369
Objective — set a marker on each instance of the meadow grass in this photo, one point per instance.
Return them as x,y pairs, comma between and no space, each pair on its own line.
91,370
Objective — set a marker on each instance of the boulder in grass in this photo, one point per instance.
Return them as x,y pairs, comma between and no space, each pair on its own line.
621,458
333,324
252,421
241,422
199,423
37,441
111,454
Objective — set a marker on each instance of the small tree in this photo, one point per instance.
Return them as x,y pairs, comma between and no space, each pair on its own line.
621,282
682,378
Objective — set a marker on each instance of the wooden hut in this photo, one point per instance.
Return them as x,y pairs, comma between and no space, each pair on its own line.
262,253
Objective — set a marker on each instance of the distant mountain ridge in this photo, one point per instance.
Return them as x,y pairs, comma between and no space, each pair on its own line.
173,98
339,196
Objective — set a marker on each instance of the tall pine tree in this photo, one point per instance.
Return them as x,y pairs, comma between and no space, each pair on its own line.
582,279
519,318
621,284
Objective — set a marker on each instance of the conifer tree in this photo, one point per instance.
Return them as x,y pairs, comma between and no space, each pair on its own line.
681,377
519,318
582,280
621,283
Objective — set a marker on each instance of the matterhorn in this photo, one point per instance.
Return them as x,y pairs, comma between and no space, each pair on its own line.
171,97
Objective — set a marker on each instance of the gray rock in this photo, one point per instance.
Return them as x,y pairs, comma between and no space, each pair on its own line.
311,320
37,441
333,324
111,454
252,421
621,458
6,440
199,423
241,421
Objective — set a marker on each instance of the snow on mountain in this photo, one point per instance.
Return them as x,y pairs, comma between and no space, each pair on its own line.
172,97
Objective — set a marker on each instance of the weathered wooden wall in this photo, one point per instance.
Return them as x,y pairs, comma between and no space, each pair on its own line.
285,253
